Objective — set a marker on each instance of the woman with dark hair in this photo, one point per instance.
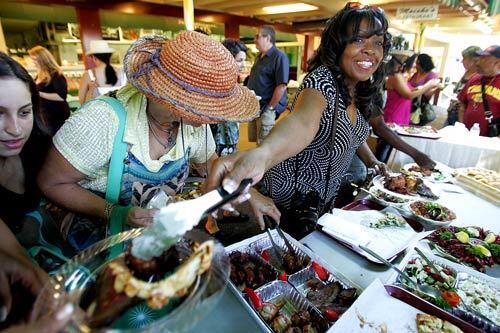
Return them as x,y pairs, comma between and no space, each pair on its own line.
22,143
103,77
53,89
305,156
421,109
400,92
226,135
424,73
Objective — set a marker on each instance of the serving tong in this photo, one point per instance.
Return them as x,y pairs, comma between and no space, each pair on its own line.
276,250
422,288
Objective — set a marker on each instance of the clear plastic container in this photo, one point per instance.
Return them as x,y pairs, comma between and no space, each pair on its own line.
475,129
74,278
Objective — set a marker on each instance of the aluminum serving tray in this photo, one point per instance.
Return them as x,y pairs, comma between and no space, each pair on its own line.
460,313
264,243
278,290
244,246
299,281
472,317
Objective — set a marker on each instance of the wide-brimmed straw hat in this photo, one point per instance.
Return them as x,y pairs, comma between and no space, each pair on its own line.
99,46
195,76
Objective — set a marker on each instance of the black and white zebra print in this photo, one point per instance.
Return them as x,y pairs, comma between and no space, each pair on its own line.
279,181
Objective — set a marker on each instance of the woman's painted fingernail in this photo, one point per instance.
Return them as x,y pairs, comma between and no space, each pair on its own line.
65,312
3,313
229,185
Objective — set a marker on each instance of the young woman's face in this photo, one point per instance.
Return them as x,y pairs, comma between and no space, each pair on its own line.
240,58
362,56
16,116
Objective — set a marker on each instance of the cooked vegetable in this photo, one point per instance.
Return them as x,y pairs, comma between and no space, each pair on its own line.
320,271
451,297
389,220
254,298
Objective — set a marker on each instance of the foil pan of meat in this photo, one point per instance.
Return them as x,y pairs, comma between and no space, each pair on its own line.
249,270
248,275
326,291
291,263
283,309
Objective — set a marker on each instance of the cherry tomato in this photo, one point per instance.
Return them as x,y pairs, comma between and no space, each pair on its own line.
254,298
283,277
265,255
320,271
427,269
451,297
331,314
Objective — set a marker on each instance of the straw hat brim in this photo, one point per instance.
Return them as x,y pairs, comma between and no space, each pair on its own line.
241,106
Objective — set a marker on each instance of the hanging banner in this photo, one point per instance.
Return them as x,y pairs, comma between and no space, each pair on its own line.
429,12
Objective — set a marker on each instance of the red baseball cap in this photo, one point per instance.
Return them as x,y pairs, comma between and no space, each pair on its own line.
493,50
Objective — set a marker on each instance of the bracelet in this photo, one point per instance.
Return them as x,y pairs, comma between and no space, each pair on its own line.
108,210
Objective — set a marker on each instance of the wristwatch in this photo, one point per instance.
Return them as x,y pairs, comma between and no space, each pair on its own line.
270,108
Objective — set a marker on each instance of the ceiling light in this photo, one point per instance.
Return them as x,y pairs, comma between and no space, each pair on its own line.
289,8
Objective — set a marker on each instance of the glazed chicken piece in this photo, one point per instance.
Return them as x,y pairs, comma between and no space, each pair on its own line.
396,183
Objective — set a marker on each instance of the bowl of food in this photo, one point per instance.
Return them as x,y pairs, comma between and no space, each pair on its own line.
431,214
121,293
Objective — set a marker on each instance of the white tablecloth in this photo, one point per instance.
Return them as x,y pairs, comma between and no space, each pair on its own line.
455,151
470,209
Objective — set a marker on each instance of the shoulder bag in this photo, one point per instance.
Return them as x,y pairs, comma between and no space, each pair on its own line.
493,124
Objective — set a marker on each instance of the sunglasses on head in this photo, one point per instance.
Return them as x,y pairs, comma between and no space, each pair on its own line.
360,6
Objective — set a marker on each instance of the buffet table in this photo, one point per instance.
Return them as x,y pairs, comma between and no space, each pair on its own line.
456,151
230,315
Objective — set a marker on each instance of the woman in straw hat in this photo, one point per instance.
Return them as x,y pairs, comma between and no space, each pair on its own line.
304,157
103,77
53,89
174,87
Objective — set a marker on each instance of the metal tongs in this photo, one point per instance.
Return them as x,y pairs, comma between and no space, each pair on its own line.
228,197
277,251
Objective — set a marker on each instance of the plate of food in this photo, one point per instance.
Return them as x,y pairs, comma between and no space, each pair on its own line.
431,214
455,291
479,297
435,175
471,246
419,131
397,310
386,199
405,186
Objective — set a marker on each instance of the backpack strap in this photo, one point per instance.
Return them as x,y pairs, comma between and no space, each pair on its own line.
116,164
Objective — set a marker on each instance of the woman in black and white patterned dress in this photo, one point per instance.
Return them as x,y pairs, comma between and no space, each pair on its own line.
297,156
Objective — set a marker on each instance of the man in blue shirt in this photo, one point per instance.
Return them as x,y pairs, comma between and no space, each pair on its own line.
268,78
